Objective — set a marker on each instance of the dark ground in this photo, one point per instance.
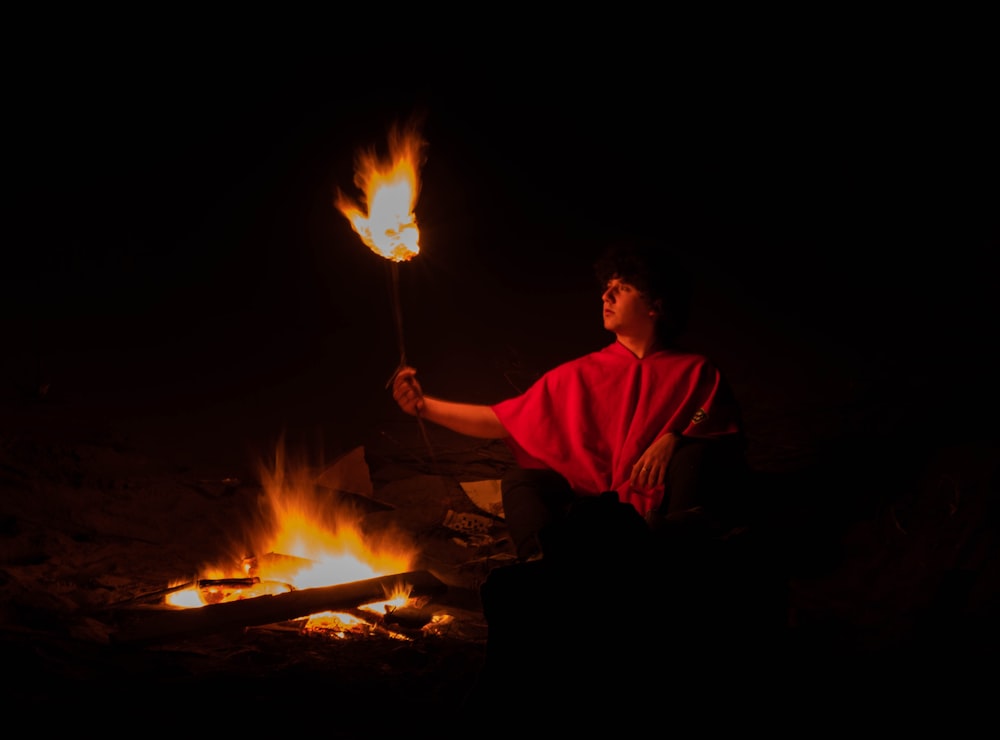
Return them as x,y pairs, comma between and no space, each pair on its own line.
181,292
880,588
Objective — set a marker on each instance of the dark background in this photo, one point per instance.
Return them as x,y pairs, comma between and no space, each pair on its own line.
176,256
175,270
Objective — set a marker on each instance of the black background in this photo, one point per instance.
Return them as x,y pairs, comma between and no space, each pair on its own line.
175,250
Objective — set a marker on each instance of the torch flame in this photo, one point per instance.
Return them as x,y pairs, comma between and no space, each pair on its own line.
390,188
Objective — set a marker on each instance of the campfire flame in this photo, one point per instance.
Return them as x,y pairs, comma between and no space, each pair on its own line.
309,540
390,187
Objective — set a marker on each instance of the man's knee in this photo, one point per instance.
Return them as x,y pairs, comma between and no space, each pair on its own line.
532,499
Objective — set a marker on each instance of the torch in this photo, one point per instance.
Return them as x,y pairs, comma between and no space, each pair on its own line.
389,187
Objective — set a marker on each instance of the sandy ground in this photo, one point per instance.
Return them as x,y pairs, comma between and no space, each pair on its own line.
95,531
890,564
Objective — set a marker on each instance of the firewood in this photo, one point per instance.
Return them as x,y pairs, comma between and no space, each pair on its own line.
160,625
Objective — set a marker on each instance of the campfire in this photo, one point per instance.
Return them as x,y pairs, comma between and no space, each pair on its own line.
306,558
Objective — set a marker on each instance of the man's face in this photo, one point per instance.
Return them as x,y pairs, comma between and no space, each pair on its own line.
626,310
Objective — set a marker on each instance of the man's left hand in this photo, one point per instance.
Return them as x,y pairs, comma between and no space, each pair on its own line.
650,470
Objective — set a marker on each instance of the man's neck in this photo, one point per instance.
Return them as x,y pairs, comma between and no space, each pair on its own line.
638,346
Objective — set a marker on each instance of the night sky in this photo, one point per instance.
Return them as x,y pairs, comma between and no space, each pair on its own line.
175,246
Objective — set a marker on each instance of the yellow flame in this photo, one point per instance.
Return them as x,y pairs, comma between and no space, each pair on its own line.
390,188
308,540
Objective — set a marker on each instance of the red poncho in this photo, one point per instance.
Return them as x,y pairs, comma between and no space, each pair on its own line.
591,418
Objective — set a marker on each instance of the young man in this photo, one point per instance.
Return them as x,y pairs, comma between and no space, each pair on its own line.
657,426
630,477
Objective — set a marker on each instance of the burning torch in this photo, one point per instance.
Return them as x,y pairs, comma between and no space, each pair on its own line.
389,187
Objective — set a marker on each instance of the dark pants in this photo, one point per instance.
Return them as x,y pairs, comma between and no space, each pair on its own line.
705,481
625,611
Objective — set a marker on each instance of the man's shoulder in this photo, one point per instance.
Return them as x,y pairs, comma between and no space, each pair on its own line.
681,357
684,363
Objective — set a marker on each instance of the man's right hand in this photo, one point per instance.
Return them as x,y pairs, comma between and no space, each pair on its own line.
471,419
407,392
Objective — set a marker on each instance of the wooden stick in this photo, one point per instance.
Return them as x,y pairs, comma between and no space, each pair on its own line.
161,625
148,597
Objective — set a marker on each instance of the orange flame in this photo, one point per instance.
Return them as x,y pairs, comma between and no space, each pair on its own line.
390,188
308,540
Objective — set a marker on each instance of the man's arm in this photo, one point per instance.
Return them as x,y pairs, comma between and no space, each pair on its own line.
474,420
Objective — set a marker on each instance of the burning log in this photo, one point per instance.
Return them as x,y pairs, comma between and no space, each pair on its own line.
214,590
228,582
166,625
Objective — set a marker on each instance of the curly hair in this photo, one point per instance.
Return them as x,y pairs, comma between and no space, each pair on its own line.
659,273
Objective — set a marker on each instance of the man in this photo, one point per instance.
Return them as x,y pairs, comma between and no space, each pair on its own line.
657,426
629,478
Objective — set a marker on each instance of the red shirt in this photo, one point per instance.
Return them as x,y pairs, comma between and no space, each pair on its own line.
591,418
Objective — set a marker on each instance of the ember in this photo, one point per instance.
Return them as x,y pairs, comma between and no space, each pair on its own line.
217,590
165,625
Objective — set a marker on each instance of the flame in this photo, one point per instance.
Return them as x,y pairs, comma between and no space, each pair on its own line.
309,541
390,188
